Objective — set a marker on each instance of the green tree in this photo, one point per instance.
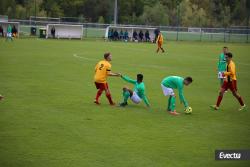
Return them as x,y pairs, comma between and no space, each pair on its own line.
101,20
156,15
192,15
20,12
52,8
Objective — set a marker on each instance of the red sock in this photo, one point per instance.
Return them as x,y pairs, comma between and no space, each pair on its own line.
98,94
219,101
241,101
109,98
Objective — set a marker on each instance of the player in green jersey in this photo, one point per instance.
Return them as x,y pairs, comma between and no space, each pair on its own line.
168,85
222,65
135,95
9,33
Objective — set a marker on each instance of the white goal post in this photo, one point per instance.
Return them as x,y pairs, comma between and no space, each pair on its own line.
65,31
131,30
4,25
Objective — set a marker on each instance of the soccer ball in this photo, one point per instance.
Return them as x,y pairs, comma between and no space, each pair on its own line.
188,110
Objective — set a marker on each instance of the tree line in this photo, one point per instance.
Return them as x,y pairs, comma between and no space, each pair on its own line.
196,13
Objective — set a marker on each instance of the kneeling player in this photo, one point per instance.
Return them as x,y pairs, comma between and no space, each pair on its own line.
175,82
135,95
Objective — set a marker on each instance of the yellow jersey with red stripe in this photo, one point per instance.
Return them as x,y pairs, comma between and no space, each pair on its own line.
230,74
160,38
102,70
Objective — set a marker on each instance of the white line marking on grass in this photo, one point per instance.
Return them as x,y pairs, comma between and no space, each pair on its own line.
136,65
130,48
85,58
147,65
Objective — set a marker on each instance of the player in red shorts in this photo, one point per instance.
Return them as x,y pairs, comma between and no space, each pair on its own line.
102,71
230,82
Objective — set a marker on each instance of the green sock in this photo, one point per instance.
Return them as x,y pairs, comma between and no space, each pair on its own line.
172,103
169,101
126,95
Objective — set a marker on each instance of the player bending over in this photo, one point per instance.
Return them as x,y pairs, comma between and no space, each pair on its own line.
102,71
222,65
159,42
230,82
135,95
175,82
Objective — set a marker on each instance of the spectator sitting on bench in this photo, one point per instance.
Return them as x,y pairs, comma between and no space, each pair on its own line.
141,35
109,34
116,35
147,36
135,36
121,36
126,35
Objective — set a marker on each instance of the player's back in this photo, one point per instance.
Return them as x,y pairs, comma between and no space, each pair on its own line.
101,71
172,82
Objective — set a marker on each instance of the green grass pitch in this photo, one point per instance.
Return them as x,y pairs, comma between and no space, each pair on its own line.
48,117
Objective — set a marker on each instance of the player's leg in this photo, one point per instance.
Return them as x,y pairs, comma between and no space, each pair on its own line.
220,97
108,94
10,36
162,48
240,100
171,100
99,92
233,88
126,94
158,47
172,105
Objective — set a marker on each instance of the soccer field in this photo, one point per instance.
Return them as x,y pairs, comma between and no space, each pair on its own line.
48,117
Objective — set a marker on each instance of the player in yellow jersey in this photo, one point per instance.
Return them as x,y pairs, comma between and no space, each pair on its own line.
102,71
230,82
159,42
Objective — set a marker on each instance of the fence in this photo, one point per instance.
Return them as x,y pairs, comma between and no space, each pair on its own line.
95,30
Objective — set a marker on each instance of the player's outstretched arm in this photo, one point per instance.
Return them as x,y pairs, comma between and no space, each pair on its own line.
145,99
143,96
127,79
114,74
182,98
